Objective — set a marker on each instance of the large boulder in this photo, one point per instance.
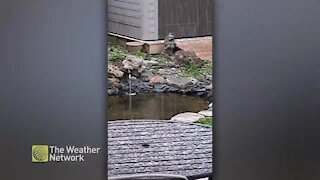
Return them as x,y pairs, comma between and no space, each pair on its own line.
133,63
181,82
169,72
146,75
114,71
150,63
157,80
188,117
206,113
187,58
112,82
160,88
209,87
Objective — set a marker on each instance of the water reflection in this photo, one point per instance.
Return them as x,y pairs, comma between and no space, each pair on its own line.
153,106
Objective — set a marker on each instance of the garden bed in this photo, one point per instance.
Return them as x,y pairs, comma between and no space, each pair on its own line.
156,73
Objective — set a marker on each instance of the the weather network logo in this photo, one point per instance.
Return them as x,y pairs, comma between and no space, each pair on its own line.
52,153
40,153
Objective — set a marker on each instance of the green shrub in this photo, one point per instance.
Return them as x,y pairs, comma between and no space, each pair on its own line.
197,71
141,54
206,121
116,53
160,58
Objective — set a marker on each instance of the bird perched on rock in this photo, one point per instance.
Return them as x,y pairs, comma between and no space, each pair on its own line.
170,45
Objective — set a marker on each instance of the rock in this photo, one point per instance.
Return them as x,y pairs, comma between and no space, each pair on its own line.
135,73
186,57
119,86
208,77
160,88
132,78
198,89
172,89
150,63
113,91
181,82
113,81
157,80
187,117
140,86
206,113
146,75
145,87
133,63
209,87
170,64
201,94
153,59
125,88
114,71
168,72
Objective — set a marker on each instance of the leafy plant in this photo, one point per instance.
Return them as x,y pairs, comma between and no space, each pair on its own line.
140,54
160,58
116,53
197,71
206,121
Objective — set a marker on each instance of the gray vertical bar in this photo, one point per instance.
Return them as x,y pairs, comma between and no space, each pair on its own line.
267,90
52,85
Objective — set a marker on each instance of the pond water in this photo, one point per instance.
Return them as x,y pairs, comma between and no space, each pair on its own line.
153,106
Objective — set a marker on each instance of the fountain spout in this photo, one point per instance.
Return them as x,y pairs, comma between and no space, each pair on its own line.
130,85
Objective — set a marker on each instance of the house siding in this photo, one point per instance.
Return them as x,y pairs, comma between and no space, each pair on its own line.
154,19
185,18
134,18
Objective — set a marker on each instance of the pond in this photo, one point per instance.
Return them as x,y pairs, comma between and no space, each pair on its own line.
153,106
